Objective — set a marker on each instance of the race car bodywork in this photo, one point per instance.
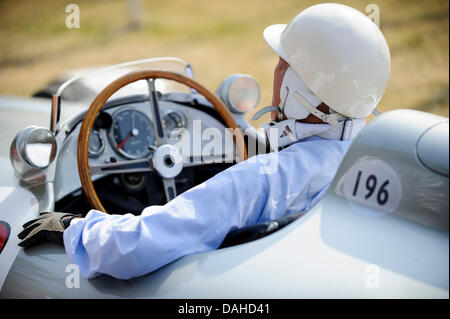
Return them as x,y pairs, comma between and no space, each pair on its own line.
381,231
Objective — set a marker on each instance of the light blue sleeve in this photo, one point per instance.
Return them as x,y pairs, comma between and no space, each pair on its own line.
264,187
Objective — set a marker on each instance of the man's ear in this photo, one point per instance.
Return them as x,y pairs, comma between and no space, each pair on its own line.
278,76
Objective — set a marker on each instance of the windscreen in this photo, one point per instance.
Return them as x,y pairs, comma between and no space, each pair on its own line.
85,85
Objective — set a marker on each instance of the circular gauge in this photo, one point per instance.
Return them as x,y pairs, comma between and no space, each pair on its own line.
96,144
132,134
173,121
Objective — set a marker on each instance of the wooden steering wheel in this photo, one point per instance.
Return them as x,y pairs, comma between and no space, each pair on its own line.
166,159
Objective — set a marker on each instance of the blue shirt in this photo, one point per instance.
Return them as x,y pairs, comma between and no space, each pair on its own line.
263,188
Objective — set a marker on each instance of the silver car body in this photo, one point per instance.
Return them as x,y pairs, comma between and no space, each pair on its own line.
347,246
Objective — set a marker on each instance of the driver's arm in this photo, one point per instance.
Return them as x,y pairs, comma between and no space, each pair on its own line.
262,188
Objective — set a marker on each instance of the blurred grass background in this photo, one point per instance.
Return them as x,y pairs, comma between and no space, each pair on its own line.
217,37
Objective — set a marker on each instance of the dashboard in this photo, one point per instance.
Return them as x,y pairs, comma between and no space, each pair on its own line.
125,131
129,132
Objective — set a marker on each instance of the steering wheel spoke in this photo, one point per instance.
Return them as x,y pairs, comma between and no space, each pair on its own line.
160,135
204,160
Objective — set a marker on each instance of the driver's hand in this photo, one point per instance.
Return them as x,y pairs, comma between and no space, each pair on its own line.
48,226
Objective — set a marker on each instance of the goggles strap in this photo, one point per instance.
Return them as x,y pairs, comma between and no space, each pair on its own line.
279,109
265,110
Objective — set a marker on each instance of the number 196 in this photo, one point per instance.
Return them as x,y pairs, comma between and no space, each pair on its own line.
371,185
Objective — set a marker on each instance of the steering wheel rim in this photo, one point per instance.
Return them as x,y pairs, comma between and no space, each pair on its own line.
103,96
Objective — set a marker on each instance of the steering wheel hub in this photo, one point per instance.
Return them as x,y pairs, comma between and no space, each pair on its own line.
167,161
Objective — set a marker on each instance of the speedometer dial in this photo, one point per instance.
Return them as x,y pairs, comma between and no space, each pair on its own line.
132,134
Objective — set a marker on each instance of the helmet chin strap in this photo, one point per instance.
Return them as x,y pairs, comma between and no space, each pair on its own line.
334,118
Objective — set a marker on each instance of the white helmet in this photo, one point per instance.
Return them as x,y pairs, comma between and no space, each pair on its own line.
339,53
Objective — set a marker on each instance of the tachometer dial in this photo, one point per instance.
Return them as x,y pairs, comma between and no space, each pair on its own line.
132,133
174,121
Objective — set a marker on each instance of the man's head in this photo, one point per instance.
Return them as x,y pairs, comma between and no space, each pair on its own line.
340,59
278,76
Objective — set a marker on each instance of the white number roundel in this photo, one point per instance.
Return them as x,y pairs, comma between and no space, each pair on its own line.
371,182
